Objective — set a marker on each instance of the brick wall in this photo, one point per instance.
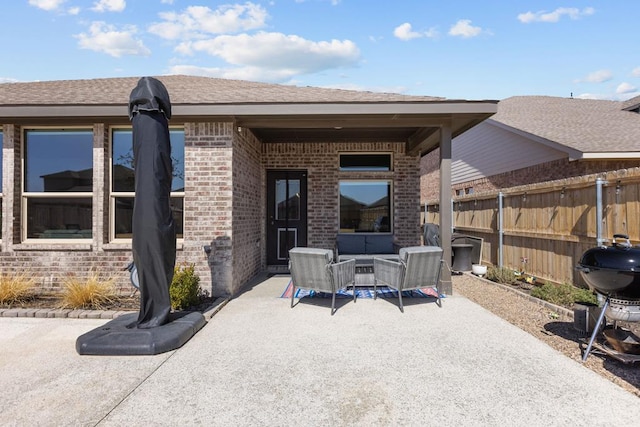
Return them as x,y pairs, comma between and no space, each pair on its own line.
208,204
321,160
248,209
225,205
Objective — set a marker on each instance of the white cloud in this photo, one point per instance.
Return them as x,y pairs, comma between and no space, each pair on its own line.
625,88
8,80
239,73
166,1
109,6
271,56
107,39
73,11
47,4
599,76
404,32
636,72
278,51
592,96
199,21
555,16
463,28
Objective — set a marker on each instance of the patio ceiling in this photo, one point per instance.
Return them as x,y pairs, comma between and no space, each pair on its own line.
416,124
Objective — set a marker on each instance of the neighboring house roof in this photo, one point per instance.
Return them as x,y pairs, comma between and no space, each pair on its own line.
274,113
583,128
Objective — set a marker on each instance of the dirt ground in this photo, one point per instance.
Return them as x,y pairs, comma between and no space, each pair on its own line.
554,327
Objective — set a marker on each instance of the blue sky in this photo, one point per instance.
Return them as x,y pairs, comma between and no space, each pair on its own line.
469,49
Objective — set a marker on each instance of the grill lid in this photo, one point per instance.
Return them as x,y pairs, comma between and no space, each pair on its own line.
613,270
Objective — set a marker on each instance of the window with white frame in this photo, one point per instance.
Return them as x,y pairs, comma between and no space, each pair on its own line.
365,201
57,184
123,185
1,188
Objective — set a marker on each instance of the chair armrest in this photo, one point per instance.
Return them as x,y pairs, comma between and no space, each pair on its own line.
343,273
387,271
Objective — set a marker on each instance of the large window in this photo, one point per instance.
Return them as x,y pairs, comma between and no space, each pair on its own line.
365,206
365,202
1,188
57,184
123,185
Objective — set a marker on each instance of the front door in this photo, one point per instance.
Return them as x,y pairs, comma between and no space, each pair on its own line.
286,214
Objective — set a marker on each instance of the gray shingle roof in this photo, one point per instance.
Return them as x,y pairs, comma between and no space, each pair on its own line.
590,126
184,90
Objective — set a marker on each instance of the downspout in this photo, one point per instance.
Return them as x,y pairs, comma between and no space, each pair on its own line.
500,228
599,239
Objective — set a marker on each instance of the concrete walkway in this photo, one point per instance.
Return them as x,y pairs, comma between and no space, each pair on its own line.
260,363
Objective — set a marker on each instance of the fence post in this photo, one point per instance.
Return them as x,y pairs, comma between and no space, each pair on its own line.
500,228
599,183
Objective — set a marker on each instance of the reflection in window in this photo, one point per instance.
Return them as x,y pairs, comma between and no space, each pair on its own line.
1,188
123,184
288,199
122,160
365,206
58,218
58,161
365,162
124,216
1,145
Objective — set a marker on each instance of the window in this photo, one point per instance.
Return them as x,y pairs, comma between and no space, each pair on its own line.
365,199
1,188
123,185
57,184
365,162
365,206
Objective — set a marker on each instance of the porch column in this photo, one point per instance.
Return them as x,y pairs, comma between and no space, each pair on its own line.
446,220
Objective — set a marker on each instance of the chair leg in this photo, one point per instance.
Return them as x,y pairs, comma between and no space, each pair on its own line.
400,299
375,292
293,292
333,302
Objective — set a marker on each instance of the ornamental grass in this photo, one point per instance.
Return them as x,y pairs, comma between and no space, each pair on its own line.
16,288
91,292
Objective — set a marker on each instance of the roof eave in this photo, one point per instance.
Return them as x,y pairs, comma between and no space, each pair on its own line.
255,109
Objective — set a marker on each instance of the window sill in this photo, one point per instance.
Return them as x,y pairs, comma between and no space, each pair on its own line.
53,245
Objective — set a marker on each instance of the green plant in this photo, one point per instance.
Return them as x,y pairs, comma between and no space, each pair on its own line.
564,295
16,288
501,275
185,287
91,292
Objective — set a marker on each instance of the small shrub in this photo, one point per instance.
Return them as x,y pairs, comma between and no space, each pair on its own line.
16,288
91,292
564,295
185,287
581,295
501,275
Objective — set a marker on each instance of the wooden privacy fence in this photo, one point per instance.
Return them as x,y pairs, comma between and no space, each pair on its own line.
547,227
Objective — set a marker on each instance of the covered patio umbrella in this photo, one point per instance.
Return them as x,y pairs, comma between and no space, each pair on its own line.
154,234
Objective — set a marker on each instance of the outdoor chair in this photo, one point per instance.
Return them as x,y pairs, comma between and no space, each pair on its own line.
315,270
419,267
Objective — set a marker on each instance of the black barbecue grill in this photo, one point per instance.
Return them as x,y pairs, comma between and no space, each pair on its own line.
613,272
